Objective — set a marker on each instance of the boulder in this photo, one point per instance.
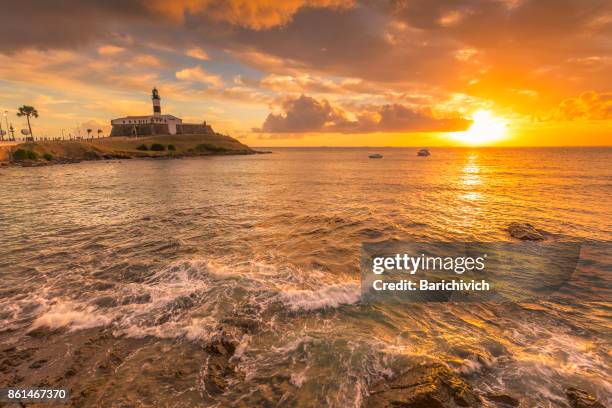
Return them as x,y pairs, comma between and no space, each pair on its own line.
581,399
424,386
525,231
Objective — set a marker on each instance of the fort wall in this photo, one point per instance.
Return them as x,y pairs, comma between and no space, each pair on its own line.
153,129
146,129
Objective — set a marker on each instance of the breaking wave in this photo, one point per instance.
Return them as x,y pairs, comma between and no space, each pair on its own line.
331,296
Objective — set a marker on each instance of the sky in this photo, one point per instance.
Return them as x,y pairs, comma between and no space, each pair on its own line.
318,72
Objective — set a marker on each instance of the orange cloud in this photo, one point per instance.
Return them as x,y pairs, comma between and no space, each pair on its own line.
253,14
197,53
589,105
110,50
197,74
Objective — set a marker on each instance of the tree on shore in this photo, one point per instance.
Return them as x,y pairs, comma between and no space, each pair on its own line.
89,133
99,131
28,111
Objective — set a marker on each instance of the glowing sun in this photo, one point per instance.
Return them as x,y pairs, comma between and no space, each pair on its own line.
486,128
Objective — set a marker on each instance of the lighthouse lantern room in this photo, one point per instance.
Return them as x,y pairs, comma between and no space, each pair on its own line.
156,102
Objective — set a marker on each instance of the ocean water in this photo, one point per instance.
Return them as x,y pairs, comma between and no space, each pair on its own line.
116,275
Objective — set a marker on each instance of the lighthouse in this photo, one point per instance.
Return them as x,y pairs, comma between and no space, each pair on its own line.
156,124
156,103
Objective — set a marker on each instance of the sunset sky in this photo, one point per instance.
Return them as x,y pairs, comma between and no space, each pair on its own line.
318,72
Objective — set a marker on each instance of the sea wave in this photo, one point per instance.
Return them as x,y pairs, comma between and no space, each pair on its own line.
71,315
331,296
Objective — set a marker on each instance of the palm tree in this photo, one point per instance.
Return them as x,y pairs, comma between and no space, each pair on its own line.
99,131
89,133
28,111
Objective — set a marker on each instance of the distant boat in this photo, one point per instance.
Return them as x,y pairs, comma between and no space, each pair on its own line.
423,152
376,156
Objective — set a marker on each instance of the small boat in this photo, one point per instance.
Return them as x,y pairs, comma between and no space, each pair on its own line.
423,152
376,156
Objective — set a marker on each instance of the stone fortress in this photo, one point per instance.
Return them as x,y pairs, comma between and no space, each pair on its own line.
156,124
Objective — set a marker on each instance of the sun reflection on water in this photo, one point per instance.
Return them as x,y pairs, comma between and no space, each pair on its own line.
471,177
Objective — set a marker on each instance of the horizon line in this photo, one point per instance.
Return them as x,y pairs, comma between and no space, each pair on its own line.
434,147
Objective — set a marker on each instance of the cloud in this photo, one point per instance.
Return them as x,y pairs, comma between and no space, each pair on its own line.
197,74
300,83
397,117
43,99
197,53
367,65
589,105
306,114
145,61
252,14
110,50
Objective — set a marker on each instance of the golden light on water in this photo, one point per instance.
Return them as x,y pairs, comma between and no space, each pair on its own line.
486,128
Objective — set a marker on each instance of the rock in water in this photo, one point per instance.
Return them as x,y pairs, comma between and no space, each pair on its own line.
424,386
504,400
581,399
525,232
218,365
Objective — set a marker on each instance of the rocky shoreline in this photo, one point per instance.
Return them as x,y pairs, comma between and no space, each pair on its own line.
64,160
46,153
434,385
426,385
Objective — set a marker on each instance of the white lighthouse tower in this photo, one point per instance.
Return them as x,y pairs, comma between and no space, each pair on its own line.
146,125
156,103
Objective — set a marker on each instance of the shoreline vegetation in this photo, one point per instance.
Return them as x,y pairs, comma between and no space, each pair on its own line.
43,153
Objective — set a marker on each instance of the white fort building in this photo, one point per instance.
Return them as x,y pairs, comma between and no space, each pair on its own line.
156,124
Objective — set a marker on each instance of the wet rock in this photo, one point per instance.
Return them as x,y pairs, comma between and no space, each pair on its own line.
92,155
100,286
245,323
424,386
14,357
222,346
495,348
525,231
43,331
218,365
70,372
139,299
38,363
215,379
503,400
105,302
183,302
581,399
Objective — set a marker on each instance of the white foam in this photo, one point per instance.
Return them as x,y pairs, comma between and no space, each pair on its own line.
73,315
195,330
330,296
298,378
242,346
